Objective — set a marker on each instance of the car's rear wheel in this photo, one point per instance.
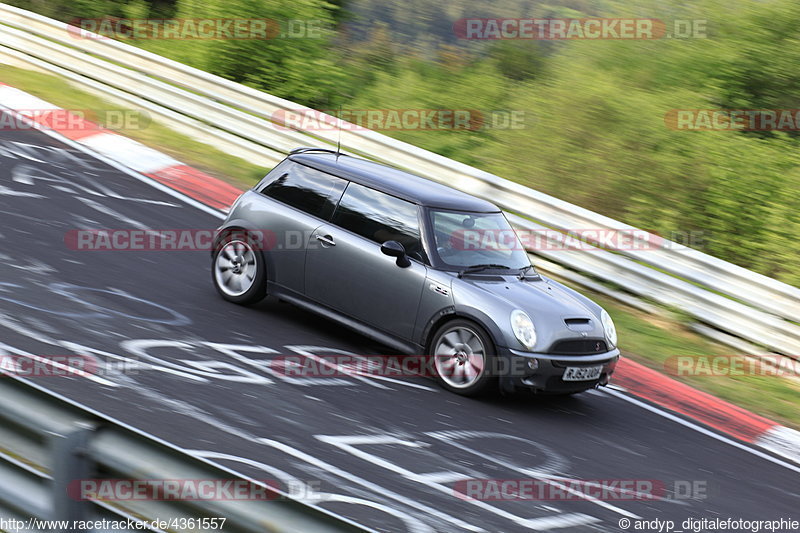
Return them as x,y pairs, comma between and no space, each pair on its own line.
463,357
238,271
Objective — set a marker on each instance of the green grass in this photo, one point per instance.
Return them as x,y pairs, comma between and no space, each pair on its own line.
183,148
645,339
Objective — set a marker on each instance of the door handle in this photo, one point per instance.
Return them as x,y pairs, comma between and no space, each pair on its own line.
326,240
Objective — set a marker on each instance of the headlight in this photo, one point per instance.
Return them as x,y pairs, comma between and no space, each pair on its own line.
522,326
608,326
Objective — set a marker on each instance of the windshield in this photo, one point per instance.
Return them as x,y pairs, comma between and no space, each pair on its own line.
466,239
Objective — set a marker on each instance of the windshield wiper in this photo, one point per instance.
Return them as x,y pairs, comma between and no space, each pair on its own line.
478,268
523,270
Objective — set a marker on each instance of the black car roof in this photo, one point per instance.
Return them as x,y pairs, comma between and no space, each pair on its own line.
392,181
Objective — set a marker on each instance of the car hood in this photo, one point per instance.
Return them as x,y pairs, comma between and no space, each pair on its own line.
534,297
548,303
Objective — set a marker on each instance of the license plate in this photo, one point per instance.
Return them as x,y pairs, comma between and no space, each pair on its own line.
582,373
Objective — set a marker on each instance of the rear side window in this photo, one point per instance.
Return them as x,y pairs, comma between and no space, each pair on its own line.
307,189
379,217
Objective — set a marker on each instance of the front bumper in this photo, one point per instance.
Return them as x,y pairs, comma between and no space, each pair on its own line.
548,376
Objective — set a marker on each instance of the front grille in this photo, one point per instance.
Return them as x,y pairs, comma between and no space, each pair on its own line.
579,347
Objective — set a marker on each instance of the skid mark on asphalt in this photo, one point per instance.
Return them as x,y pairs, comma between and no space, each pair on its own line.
95,307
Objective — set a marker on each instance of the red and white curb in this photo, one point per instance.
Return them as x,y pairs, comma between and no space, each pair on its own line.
630,376
782,441
134,155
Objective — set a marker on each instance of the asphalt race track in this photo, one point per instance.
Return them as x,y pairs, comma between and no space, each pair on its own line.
193,369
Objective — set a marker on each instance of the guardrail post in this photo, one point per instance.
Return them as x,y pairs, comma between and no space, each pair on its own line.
71,462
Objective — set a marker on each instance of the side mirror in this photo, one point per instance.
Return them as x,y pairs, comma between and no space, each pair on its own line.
395,249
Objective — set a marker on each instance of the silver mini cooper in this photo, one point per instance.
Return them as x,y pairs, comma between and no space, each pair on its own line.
416,265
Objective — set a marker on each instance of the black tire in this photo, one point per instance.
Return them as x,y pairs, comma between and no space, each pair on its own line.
457,341
248,260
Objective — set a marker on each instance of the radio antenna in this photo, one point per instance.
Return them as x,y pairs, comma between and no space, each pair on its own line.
339,140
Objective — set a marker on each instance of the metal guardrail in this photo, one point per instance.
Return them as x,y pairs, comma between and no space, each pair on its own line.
245,122
48,442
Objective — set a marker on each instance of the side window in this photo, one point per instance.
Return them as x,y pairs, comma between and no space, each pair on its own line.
307,189
380,217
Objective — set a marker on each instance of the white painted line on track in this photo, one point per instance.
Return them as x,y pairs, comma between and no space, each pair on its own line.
368,484
348,443
704,431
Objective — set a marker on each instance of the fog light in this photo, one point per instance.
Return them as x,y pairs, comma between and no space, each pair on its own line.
533,364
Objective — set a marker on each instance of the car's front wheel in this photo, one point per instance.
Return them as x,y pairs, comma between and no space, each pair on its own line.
238,271
463,357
